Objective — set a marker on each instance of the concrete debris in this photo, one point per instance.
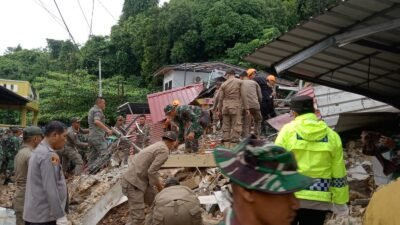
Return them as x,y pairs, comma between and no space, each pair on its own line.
7,216
357,173
6,195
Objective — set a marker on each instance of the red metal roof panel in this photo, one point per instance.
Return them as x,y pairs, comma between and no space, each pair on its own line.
159,100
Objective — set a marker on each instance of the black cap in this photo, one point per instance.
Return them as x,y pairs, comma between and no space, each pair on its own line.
170,135
171,181
302,103
243,74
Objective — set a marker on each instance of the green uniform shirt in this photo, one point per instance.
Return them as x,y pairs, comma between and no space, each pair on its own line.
187,118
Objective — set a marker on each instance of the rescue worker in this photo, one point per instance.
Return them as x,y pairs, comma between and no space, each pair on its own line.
46,189
267,85
191,121
319,154
251,104
142,131
230,106
97,130
175,205
121,154
32,136
10,147
263,181
141,181
167,124
72,146
215,114
384,207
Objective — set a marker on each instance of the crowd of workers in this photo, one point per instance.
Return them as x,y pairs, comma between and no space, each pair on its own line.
295,181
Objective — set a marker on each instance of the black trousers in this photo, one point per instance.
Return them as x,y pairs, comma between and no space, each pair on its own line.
47,223
310,217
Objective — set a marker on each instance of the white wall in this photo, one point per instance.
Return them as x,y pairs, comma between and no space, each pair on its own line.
180,79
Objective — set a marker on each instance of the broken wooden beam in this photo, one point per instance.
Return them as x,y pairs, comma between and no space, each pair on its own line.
190,160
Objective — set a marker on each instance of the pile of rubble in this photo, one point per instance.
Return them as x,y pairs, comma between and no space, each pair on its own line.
87,191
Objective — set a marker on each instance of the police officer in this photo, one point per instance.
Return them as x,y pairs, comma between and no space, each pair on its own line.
319,154
97,130
32,136
263,180
230,105
141,180
72,146
175,205
191,121
46,189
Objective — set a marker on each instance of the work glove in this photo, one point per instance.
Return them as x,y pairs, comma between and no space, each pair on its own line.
341,210
62,221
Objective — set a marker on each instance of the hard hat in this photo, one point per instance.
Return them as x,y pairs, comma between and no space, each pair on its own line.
250,71
271,78
176,102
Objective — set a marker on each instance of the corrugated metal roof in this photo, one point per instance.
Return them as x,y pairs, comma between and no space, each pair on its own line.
158,101
206,67
353,46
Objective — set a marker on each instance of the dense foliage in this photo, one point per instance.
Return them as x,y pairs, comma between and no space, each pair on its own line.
147,37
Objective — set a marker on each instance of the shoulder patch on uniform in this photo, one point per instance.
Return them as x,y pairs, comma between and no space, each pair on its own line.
55,159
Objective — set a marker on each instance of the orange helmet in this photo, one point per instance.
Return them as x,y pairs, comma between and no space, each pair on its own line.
250,71
176,102
271,78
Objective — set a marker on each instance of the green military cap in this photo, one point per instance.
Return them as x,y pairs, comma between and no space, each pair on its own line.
168,109
302,103
171,135
75,119
257,166
32,131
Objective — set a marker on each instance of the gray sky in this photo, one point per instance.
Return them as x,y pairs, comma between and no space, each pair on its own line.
26,22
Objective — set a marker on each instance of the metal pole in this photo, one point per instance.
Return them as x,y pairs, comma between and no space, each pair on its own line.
100,85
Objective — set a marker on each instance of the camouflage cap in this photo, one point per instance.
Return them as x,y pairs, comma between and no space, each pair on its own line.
171,135
168,109
75,119
257,166
32,131
14,129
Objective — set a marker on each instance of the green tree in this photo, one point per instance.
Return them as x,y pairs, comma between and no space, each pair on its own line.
134,7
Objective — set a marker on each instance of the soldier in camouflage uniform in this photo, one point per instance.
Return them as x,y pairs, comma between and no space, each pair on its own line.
191,121
72,146
122,153
263,179
142,131
10,147
32,136
97,130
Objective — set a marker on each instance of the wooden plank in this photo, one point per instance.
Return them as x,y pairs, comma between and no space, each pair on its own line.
190,160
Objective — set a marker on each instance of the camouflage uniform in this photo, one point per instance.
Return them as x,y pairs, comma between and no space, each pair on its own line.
188,119
96,139
175,205
10,147
71,151
142,135
255,165
122,152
